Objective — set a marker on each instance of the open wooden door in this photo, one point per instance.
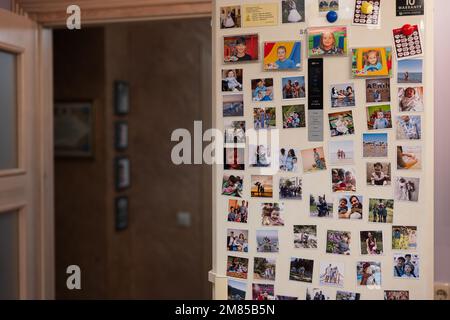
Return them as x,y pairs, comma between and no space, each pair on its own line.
26,214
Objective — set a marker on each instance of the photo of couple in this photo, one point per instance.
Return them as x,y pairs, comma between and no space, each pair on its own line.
407,189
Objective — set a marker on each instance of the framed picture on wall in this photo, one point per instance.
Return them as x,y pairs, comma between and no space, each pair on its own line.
121,135
121,213
74,129
121,97
122,169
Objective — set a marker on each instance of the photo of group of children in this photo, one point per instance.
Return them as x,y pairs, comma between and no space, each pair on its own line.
281,79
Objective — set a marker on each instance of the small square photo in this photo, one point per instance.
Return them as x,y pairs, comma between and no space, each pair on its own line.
321,206
293,88
375,145
262,90
371,243
343,95
341,123
381,210
410,99
313,160
305,237
379,117
343,180
378,90
271,214
378,174
294,116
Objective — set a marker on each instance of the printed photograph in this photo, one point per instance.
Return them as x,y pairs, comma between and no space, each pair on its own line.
350,207
410,99
396,295
271,214
234,131
232,185
347,296
343,95
372,62
236,290
338,242
237,240
368,274
378,174
237,211
305,237
264,269
262,90
410,71
379,117
234,158
293,11
327,41
286,298
331,274
291,188
301,270
259,156
267,241
409,157
378,90
321,206
343,180
381,210
233,105
262,292
293,87
375,145
232,80
313,160
230,17
341,152
237,267
289,160
328,5
294,116
372,243
404,238
409,128
264,118
341,123
242,48
406,189
317,294
261,186
406,266
282,55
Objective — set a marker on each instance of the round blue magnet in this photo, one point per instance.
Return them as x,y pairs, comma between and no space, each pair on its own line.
332,16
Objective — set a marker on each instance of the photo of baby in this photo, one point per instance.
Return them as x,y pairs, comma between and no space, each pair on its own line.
379,117
294,116
282,55
293,87
409,157
242,48
313,160
410,99
378,90
378,174
409,128
289,160
341,123
343,180
407,189
338,242
350,207
371,243
262,90
372,62
327,41
342,95
259,156
271,214
232,80
232,186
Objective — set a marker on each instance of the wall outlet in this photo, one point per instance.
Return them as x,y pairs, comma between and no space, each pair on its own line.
184,219
441,291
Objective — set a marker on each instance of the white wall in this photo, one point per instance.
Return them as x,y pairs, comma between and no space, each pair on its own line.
442,145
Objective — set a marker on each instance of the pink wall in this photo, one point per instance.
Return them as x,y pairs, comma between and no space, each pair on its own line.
442,145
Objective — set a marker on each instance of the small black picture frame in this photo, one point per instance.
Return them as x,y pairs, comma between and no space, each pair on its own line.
121,212
121,135
121,97
123,175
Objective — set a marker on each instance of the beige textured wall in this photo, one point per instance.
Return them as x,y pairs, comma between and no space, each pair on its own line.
168,66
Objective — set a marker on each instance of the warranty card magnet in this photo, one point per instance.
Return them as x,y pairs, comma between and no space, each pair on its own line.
410,8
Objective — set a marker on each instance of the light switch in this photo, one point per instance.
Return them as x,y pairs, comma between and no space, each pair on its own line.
184,219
